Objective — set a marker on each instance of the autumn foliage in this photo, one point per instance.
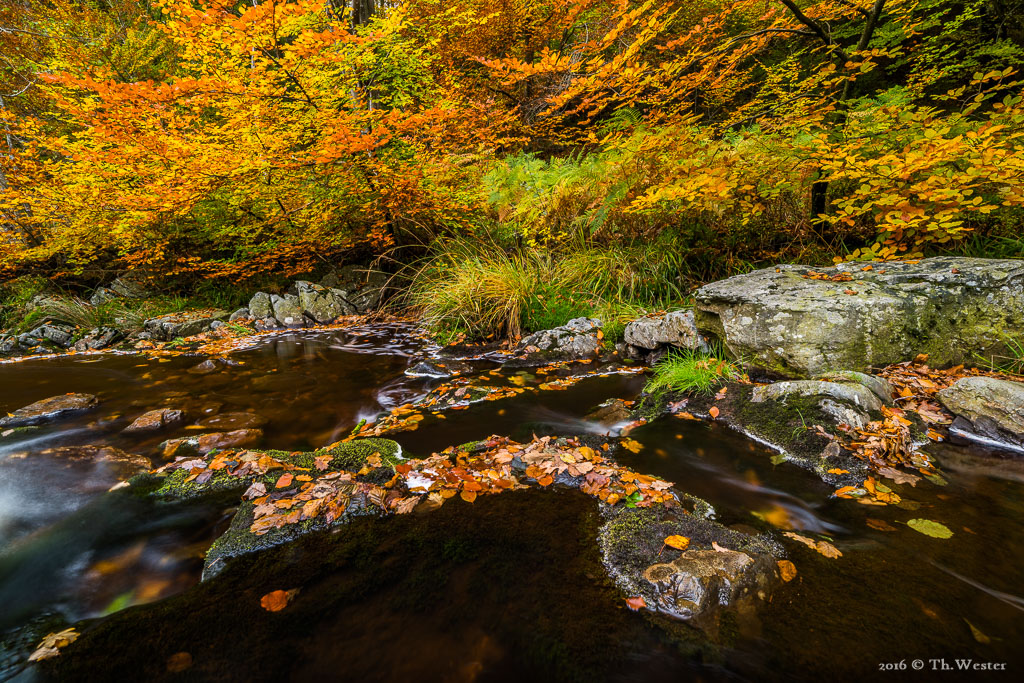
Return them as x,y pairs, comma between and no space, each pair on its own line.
218,139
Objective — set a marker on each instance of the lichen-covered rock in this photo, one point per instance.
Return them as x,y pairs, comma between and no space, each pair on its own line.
239,314
184,324
156,420
287,310
675,328
879,387
361,287
576,339
259,305
988,410
796,321
847,403
49,409
322,304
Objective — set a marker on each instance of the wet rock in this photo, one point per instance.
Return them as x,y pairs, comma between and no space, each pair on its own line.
49,409
700,582
259,305
878,386
123,464
610,413
130,286
675,328
846,403
231,421
185,324
849,318
240,314
439,369
8,344
576,339
156,420
265,324
98,338
102,295
204,443
206,367
988,410
287,310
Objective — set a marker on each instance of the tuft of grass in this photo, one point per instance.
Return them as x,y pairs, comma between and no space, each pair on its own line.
481,290
126,315
691,371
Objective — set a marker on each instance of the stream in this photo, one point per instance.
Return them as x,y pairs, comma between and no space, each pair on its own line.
508,588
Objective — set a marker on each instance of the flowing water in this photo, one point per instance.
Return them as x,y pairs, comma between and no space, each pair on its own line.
508,588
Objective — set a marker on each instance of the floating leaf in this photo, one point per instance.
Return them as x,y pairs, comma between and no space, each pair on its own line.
677,542
978,635
879,525
275,601
632,445
930,528
787,570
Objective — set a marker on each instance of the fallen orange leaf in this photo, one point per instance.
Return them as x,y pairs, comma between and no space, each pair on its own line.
787,569
677,542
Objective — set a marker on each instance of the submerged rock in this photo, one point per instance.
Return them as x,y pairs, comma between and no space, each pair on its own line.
204,443
987,410
720,569
156,420
232,421
796,321
49,409
439,369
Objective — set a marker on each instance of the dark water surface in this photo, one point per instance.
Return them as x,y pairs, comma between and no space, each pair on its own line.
509,588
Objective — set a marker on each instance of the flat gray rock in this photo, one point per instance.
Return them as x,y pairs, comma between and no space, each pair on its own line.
49,409
675,328
789,322
988,410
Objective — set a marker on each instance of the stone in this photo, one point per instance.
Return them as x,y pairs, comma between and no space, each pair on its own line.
848,403
233,439
217,324
287,310
239,315
675,328
611,413
259,305
700,579
988,410
129,286
269,323
232,421
156,420
206,367
183,324
879,387
361,287
61,335
99,338
786,324
322,304
49,409
438,369
102,295
576,339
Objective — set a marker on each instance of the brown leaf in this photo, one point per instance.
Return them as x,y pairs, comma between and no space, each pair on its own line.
787,570
284,480
879,525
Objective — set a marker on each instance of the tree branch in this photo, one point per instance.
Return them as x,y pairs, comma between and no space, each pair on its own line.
825,37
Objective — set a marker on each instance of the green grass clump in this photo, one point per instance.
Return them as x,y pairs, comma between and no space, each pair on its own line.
1009,362
691,371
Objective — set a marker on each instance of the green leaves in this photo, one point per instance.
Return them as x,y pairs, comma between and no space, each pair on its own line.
930,528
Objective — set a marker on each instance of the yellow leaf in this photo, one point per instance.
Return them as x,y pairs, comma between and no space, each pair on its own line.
677,542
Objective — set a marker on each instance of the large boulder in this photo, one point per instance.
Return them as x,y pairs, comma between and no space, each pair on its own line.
578,338
847,403
796,321
49,409
259,306
359,286
675,328
987,410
